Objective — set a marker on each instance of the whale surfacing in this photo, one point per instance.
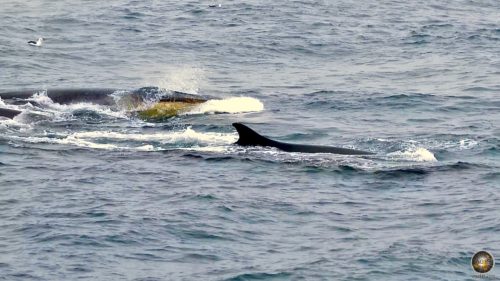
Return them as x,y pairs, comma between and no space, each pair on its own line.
248,137
165,103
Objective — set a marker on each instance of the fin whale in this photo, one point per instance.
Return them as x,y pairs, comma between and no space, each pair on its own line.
101,96
248,137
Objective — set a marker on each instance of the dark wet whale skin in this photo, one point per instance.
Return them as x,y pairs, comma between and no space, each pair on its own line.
65,96
249,137
102,96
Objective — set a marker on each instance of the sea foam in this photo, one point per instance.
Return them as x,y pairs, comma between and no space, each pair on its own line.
229,105
418,154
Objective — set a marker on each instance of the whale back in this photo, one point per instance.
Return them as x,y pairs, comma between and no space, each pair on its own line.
65,96
249,137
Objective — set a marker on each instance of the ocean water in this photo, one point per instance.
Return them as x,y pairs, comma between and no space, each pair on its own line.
88,192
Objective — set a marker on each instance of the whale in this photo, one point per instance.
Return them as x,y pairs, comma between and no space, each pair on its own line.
167,103
102,96
248,137
62,96
9,113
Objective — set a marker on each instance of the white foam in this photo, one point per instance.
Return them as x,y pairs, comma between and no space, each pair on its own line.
74,141
228,105
186,136
16,123
418,154
65,141
107,140
467,143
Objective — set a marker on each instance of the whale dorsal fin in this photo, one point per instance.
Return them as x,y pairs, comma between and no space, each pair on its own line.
250,137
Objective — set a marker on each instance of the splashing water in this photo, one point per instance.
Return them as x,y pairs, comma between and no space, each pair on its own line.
418,154
61,109
109,140
183,79
186,136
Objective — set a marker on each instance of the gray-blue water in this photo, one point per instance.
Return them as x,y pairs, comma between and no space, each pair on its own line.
91,193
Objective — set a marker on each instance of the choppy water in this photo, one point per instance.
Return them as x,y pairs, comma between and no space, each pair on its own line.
88,192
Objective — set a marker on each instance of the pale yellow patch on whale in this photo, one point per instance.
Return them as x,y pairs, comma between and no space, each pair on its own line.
166,109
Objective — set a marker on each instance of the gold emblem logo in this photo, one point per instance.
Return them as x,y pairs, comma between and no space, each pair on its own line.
482,262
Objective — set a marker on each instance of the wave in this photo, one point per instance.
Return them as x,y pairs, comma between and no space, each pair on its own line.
397,172
149,142
69,140
187,136
15,124
450,143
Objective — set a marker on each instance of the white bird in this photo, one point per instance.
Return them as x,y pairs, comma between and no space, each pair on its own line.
38,43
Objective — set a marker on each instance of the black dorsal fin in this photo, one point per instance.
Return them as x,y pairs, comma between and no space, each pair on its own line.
250,137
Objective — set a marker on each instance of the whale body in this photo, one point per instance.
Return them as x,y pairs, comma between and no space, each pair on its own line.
248,137
64,96
167,103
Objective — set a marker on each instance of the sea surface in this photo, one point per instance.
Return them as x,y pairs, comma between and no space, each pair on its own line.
89,192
